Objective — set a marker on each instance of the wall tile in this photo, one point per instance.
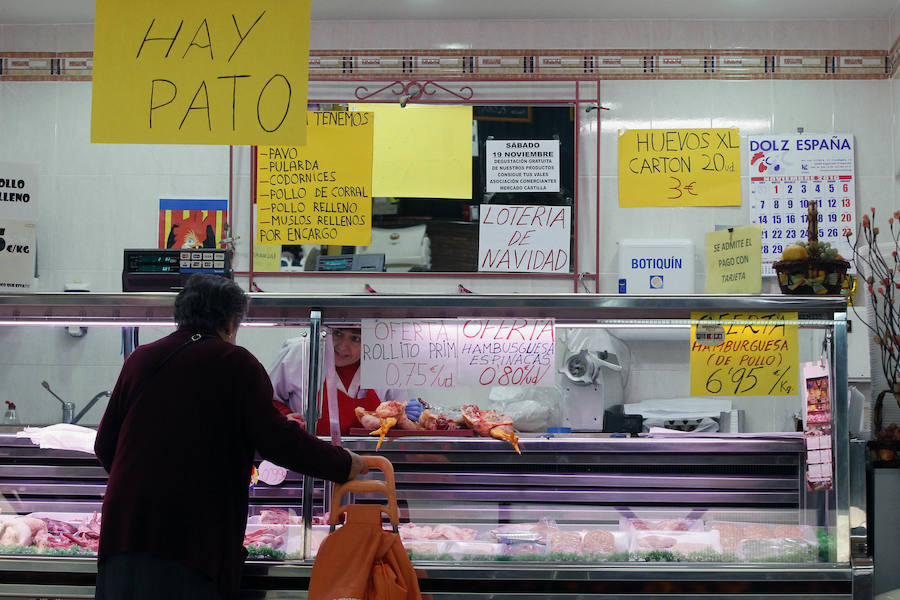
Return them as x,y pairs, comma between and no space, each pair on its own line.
675,33
28,38
807,104
808,34
630,105
739,34
855,103
608,33
75,38
862,34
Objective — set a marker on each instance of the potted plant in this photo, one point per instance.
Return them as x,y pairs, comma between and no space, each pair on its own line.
877,263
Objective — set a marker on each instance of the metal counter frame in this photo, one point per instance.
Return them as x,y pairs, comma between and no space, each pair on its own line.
73,577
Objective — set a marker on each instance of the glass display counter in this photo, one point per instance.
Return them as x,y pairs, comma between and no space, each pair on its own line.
712,502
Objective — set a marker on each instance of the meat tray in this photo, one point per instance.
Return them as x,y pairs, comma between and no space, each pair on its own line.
424,432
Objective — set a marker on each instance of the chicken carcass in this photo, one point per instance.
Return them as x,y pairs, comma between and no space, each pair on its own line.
439,422
386,415
490,423
21,531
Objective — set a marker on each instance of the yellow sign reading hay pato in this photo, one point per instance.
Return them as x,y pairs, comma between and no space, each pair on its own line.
744,354
421,151
320,193
200,72
679,167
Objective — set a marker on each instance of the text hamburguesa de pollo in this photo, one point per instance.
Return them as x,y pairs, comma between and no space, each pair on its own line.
522,222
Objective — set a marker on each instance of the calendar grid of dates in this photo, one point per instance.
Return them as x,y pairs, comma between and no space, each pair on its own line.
786,177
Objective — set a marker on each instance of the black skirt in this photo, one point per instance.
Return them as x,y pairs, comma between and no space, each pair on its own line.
143,577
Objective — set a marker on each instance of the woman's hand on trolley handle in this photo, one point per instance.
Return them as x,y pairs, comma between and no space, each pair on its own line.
358,465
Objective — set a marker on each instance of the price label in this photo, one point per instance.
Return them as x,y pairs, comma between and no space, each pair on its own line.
271,473
744,354
449,353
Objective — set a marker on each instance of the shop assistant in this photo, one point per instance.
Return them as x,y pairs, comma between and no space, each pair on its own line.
289,377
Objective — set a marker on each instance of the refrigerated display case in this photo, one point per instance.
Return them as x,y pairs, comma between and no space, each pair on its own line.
575,515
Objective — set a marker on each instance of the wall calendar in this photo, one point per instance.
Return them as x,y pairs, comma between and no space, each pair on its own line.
787,172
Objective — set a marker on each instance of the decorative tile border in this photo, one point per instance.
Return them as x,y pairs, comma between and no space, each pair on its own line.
528,64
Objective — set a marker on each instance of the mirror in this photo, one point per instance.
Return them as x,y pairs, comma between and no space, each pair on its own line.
441,234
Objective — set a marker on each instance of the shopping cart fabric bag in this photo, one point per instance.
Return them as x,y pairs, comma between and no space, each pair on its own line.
361,560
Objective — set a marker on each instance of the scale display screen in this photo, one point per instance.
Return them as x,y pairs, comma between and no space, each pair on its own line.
168,269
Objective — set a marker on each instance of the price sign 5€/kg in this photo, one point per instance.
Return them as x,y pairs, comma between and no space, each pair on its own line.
744,354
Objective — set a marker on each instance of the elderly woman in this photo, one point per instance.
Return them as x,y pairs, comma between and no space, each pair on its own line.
178,439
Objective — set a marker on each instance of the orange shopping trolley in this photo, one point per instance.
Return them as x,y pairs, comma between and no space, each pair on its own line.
361,560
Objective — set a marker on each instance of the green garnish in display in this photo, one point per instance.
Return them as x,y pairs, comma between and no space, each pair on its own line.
265,552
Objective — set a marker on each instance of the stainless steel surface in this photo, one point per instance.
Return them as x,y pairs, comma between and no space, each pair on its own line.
315,326
479,480
841,435
292,309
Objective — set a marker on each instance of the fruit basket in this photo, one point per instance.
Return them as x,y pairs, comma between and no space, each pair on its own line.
811,268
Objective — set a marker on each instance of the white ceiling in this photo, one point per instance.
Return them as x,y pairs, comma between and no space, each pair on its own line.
82,11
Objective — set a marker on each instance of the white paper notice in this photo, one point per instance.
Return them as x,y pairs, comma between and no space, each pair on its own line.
17,255
18,185
446,353
524,239
522,166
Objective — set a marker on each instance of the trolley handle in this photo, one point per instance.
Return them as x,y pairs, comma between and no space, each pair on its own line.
385,487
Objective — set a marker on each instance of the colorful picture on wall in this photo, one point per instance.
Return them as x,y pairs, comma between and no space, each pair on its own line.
192,223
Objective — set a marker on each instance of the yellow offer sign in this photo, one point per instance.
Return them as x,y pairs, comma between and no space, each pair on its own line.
320,193
744,354
679,167
202,72
734,261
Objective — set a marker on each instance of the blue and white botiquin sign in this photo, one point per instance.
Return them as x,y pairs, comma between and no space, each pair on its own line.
656,266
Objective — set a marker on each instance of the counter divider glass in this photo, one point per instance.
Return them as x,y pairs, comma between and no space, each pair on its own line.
575,515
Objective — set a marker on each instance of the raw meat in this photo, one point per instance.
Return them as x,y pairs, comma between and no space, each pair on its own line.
386,415
15,533
87,535
730,535
660,525
566,541
490,423
599,541
788,531
756,531
452,532
656,542
272,536
275,516
411,531
55,527
440,422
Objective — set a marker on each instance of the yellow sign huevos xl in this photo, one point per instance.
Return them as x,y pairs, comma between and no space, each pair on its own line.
200,72
679,167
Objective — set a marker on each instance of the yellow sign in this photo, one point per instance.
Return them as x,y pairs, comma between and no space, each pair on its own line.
679,167
744,354
733,261
320,193
266,258
201,72
421,151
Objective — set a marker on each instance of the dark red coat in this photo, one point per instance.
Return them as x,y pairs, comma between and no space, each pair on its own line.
179,458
